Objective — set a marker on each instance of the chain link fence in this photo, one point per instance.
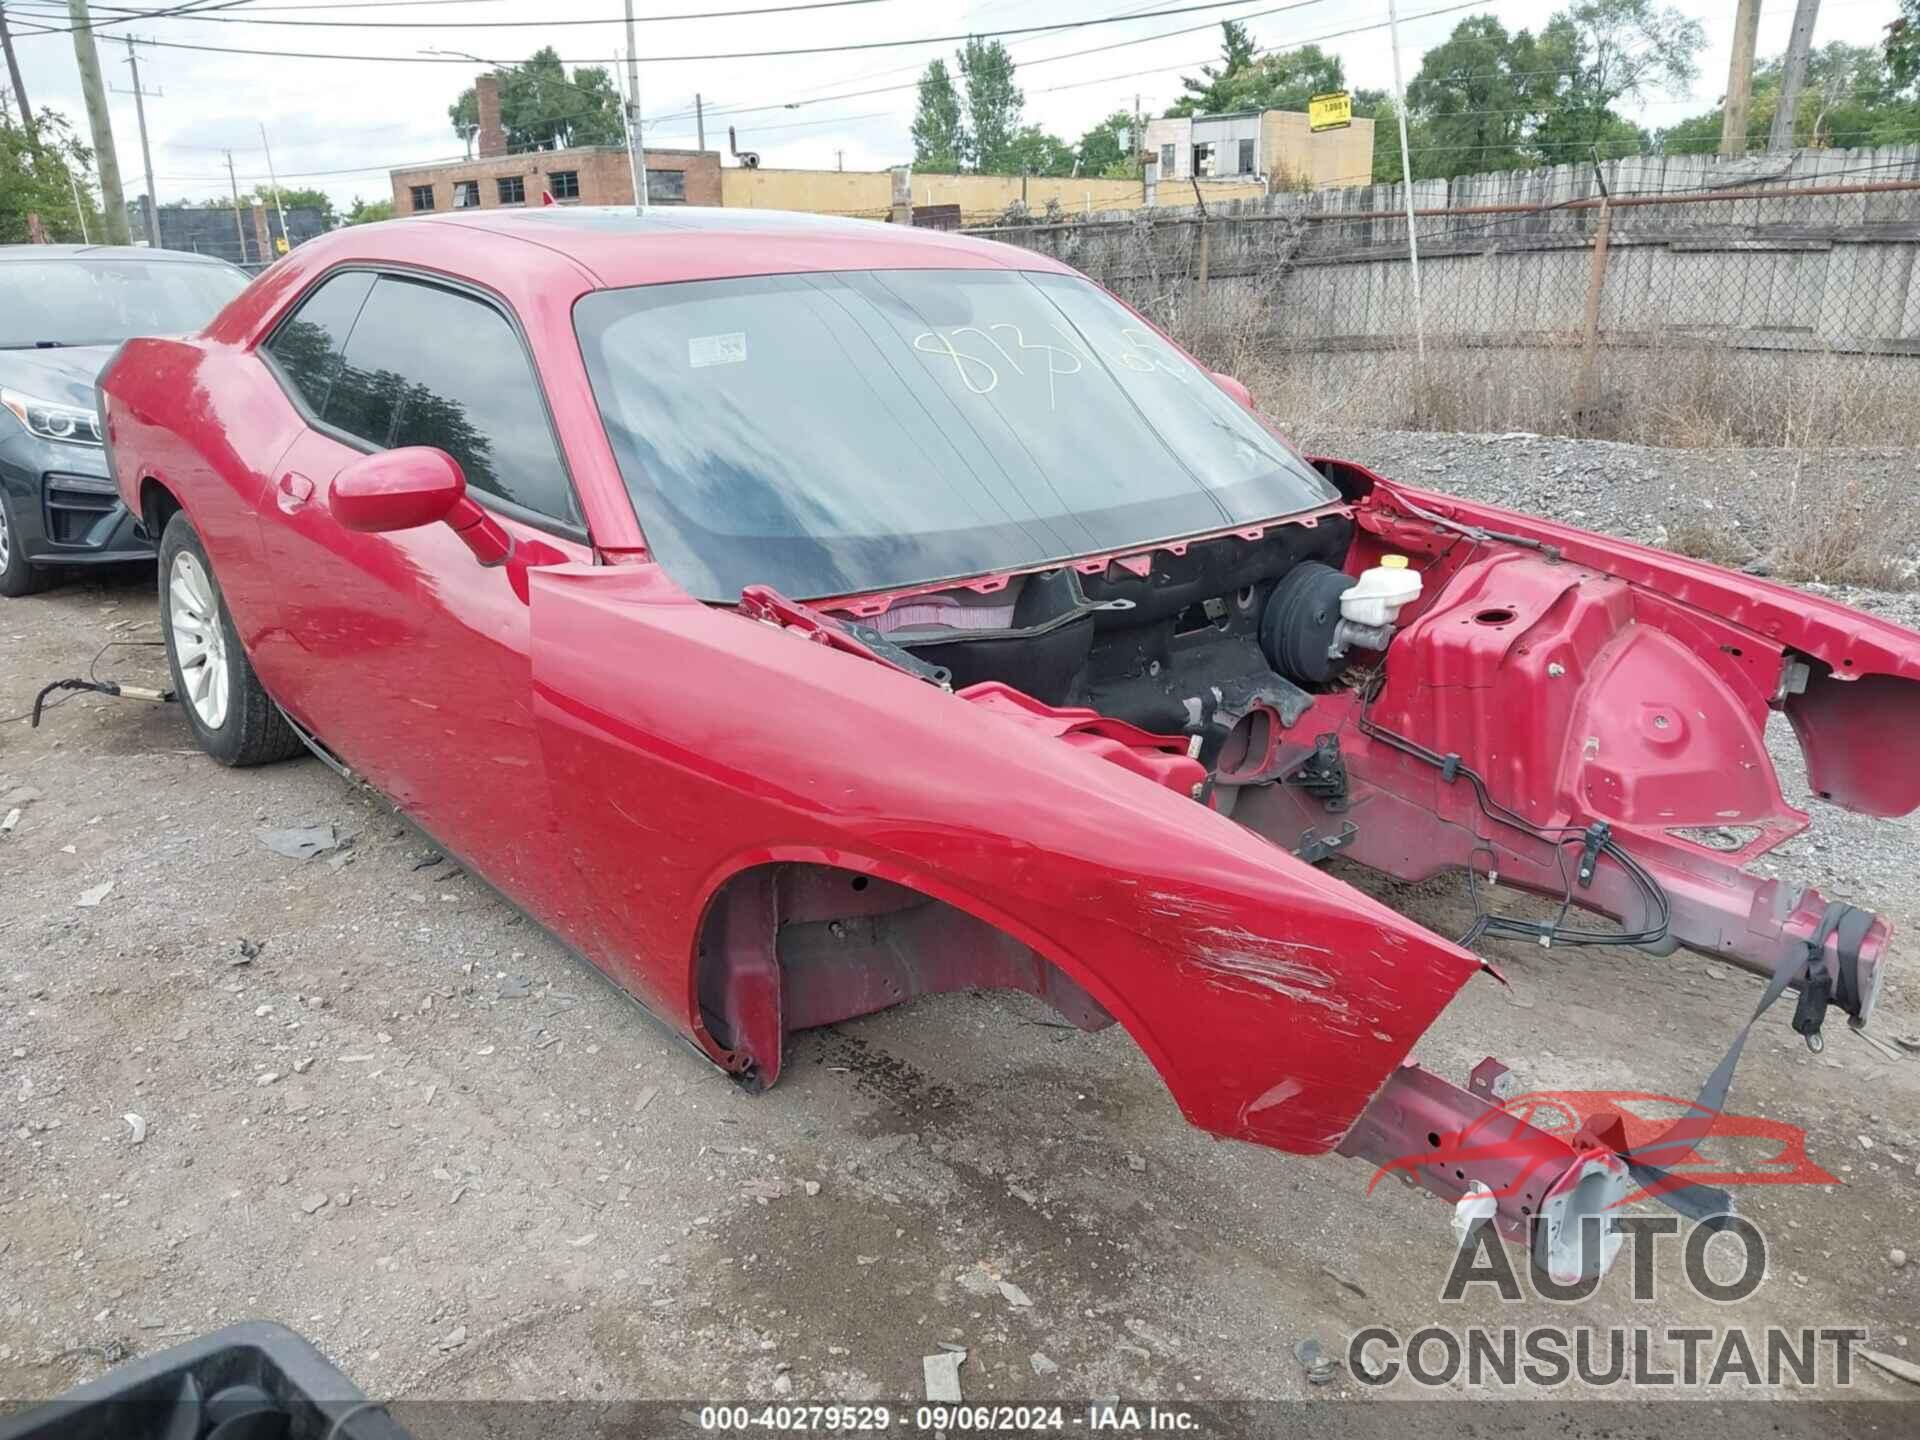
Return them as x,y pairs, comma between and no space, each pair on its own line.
1781,310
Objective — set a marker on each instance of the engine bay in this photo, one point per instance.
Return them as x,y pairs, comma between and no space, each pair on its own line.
1425,696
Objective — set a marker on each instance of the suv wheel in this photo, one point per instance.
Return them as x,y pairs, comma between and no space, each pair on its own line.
17,577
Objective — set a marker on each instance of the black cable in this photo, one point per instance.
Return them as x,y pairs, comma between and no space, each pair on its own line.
1550,932
92,684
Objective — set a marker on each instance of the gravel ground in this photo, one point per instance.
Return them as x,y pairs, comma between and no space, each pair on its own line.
379,1107
1651,495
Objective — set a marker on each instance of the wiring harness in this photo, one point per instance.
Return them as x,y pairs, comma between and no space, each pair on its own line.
1595,841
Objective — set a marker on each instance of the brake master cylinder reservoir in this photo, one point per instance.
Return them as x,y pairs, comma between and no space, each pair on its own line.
1374,600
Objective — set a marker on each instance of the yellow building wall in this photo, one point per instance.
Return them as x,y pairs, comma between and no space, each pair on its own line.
819,192
981,198
1293,153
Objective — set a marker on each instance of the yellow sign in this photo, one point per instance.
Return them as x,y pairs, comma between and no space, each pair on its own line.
1329,112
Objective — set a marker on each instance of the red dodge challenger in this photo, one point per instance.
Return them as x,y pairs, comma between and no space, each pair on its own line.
797,616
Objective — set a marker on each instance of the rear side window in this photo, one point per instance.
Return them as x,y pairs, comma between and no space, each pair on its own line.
430,366
308,347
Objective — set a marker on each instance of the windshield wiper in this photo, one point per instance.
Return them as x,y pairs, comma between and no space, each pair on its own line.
36,345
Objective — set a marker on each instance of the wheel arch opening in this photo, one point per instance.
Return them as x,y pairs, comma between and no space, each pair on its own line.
790,946
158,505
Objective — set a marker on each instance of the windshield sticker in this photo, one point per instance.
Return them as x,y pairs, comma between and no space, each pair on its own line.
704,350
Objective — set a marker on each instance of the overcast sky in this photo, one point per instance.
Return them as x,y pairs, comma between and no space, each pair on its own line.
325,117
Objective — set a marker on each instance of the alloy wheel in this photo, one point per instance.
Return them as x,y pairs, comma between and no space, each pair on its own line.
199,639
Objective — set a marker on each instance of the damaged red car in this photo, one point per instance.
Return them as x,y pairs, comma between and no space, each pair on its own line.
799,616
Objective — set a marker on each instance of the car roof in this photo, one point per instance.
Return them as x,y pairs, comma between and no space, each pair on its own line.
684,242
106,252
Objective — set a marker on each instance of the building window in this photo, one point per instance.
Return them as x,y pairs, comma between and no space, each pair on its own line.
1166,162
564,184
1246,157
423,197
667,187
513,190
466,194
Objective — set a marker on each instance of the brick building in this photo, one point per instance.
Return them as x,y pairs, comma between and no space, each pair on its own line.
582,174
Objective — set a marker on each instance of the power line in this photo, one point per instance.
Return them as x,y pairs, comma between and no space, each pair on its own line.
1293,45
125,16
888,89
791,51
1129,14
1126,75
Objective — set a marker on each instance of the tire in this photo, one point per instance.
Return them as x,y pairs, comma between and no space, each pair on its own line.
232,716
17,577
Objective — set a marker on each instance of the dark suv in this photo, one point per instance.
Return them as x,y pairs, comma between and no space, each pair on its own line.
63,311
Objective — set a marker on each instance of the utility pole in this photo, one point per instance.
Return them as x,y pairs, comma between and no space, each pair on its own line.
1793,76
79,210
1139,148
286,235
699,121
100,123
1406,189
1733,120
636,148
239,230
146,152
13,73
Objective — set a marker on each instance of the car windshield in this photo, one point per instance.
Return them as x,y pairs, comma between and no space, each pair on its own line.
87,301
832,433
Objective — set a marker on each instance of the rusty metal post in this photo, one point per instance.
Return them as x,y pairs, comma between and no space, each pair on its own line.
1206,253
1590,336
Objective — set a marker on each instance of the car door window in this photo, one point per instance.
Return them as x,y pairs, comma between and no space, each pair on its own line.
307,348
426,365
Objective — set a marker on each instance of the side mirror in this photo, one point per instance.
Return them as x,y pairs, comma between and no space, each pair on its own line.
397,490
413,486
1234,388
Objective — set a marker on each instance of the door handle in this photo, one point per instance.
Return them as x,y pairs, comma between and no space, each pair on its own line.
295,490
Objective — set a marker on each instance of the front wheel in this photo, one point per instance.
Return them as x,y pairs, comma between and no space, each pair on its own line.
17,577
233,718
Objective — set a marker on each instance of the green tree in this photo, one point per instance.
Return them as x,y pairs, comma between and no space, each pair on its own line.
940,141
1608,51
543,108
38,172
465,115
1207,92
993,106
1102,151
1478,95
1035,152
299,199
368,212
1378,106
1284,80
1850,99
1903,46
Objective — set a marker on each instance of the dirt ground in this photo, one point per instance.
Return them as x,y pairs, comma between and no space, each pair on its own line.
380,1107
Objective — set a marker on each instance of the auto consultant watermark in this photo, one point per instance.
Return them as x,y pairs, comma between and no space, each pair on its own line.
1551,1355
1721,1257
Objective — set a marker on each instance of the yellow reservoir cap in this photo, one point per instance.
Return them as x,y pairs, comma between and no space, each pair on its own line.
1393,562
